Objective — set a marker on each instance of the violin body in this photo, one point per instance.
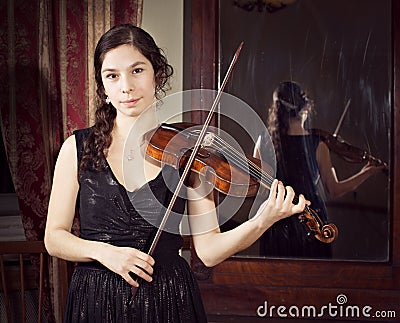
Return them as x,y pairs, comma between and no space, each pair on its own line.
230,172
172,144
345,150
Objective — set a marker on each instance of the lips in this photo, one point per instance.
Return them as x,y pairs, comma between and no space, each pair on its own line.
129,101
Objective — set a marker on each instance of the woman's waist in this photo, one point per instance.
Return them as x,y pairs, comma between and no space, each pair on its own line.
133,239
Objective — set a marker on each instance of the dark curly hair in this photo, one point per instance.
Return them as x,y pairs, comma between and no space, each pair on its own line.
288,100
95,147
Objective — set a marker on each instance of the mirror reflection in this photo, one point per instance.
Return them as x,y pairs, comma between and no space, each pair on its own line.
318,73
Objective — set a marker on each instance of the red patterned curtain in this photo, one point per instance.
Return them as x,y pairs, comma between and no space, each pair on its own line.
46,50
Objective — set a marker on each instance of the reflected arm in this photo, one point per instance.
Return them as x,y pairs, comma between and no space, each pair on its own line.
337,188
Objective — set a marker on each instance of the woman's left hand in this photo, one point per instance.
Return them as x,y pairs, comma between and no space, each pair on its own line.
279,204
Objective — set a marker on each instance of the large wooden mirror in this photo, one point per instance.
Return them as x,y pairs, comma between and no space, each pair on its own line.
341,51
343,61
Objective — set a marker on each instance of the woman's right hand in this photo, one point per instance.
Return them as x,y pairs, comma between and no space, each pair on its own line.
126,260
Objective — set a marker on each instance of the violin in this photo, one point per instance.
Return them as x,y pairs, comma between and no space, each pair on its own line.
230,171
345,150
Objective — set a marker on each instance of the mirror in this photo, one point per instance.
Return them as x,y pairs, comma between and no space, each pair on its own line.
339,51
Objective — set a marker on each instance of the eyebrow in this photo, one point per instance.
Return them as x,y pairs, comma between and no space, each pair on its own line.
110,69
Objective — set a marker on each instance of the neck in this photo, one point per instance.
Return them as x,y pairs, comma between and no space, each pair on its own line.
122,126
296,127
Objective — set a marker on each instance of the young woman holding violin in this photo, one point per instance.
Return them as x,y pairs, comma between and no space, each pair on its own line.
303,161
112,248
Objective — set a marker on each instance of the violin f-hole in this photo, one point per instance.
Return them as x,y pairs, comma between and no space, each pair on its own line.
200,154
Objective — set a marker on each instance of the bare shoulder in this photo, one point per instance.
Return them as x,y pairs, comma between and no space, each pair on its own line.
68,152
322,147
69,144
323,156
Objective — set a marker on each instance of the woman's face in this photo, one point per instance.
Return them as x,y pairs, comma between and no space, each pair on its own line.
128,79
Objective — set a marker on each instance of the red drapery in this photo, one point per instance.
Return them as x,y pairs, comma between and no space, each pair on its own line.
46,50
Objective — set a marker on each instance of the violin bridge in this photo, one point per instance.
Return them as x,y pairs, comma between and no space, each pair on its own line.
208,140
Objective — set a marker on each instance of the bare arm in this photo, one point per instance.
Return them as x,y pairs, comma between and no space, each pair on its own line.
59,240
213,246
334,187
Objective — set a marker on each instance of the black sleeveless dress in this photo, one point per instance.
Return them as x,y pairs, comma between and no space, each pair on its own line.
297,167
110,214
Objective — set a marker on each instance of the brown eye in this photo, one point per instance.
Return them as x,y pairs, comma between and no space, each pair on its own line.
111,76
137,70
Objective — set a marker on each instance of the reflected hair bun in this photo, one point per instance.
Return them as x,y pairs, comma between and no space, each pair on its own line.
290,95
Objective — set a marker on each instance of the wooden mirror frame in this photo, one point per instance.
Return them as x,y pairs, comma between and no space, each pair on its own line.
238,286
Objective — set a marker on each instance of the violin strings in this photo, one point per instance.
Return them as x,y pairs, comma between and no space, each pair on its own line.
246,166
243,162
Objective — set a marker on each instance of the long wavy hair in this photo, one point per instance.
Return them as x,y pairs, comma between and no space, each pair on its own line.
97,144
288,101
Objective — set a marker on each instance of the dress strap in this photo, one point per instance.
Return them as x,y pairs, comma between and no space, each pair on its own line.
80,136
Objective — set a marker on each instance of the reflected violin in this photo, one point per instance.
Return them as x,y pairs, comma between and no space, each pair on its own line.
230,171
347,151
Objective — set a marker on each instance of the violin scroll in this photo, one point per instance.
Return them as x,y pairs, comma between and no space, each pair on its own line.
329,233
326,233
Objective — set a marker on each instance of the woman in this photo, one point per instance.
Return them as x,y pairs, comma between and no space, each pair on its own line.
303,159
131,73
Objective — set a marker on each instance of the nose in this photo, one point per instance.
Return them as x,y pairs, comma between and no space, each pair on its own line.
126,85
126,90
